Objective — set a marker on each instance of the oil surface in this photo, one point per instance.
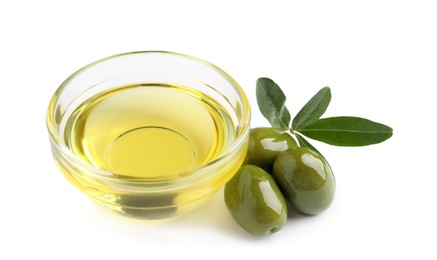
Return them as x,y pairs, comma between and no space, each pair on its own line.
149,130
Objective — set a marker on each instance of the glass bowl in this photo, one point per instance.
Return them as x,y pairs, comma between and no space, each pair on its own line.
150,169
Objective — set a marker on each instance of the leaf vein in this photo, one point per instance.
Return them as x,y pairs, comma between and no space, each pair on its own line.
343,130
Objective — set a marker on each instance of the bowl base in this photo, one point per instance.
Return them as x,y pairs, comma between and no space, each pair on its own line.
143,207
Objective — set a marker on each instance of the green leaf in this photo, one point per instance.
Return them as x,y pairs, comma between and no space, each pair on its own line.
305,143
347,131
313,109
271,103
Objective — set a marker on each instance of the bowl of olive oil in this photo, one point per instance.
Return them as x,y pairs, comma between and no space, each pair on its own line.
149,134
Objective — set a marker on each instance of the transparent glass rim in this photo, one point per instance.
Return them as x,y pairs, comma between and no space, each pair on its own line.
185,175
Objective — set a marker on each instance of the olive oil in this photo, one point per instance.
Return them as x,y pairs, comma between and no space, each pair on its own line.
152,131
149,134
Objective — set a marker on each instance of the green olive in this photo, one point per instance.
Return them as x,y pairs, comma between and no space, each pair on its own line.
305,179
265,144
255,201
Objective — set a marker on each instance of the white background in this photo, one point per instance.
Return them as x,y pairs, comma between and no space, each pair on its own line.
378,57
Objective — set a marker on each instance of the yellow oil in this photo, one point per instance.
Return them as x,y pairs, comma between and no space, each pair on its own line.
148,131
